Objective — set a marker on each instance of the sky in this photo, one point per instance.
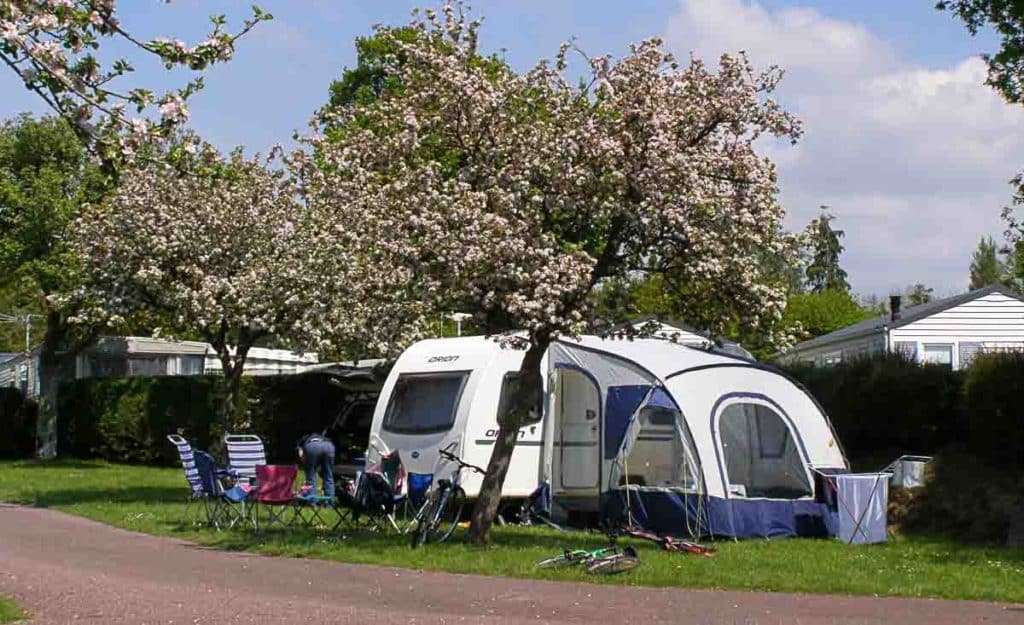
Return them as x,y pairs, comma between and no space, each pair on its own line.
903,142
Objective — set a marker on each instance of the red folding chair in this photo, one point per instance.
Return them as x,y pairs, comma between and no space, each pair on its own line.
275,490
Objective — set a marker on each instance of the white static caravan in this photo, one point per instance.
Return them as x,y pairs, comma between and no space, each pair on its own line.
444,391
684,440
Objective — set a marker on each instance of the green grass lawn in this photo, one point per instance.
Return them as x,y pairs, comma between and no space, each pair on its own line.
10,612
150,500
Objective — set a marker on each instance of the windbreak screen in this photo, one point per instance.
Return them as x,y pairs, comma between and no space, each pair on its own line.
423,403
761,455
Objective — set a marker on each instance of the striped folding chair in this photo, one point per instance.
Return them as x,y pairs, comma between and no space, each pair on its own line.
245,452
198,499
227,506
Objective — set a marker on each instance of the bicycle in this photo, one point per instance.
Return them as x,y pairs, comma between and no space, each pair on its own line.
669,543
441,512
602,561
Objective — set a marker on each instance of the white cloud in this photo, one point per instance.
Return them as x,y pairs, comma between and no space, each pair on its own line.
914,161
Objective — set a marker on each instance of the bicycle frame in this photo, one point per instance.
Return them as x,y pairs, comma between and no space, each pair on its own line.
442,487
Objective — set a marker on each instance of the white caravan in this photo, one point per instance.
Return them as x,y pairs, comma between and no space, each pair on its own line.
682,440
444,391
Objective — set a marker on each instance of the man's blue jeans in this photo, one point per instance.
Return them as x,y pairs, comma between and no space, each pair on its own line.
319,458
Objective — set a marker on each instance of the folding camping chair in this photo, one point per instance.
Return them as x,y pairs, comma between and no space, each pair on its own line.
228,505
245,452
372,498
198,497
275,490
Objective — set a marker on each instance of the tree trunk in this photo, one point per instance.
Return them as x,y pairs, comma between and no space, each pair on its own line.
525,401
232,366
48,376
52,365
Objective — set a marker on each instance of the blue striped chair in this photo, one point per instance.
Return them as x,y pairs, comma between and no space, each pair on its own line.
245,452
197,509
227,506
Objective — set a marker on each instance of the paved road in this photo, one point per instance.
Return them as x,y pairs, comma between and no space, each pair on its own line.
70,570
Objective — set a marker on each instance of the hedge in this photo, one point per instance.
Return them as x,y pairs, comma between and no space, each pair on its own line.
888,404
17,425
128,419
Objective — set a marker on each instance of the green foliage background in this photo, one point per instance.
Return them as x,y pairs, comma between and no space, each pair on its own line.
128,419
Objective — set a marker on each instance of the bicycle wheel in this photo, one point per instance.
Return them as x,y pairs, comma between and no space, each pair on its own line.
609,565
421,528
451,514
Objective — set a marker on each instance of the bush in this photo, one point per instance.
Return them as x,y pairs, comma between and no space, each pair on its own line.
963,497
886,405
128,419
995,413
17,425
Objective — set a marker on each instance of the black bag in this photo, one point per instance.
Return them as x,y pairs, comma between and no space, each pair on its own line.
374,493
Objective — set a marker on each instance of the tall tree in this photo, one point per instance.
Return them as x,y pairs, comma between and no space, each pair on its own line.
54,47
515,194
216,253
1005,70
823,312
918,294
823,271
1006,17
986,268
46,176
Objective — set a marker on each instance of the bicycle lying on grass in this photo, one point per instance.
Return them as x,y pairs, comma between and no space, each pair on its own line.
603,561
668,543
437,519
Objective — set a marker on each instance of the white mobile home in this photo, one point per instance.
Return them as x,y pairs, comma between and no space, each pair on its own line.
949,331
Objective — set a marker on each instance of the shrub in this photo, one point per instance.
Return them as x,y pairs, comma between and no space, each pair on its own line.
995,414
128,419
17,425
886,405
963,497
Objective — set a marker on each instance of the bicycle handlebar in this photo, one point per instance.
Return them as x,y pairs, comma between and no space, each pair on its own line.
462,463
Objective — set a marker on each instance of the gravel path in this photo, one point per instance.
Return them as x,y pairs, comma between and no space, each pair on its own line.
66,569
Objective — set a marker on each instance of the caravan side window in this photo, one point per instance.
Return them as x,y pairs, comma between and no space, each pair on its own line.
761,455
509,387
422,403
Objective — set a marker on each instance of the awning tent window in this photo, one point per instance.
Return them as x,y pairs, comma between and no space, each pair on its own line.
656,450
761,456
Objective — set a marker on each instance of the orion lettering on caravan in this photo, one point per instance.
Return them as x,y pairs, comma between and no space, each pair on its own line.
493,433
442,359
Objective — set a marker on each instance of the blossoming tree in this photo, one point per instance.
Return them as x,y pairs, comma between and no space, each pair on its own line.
512,195
53,47
231,250
216,253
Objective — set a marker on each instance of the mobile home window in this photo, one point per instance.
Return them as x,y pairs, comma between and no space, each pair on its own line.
938,354
424,403
761,455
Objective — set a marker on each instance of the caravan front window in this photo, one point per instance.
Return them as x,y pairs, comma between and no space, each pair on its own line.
761,455
422,403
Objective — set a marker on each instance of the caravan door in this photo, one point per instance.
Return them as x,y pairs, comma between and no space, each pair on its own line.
578,431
